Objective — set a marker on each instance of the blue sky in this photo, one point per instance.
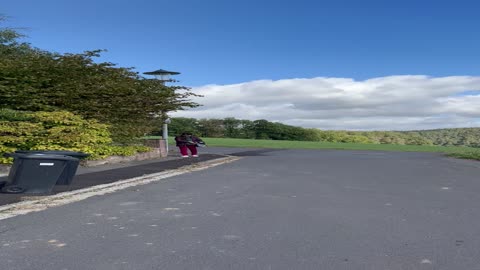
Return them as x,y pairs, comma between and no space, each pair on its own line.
338,64
224,42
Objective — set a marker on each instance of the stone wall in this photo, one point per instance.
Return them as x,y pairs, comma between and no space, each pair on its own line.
155,153
158,151
159,144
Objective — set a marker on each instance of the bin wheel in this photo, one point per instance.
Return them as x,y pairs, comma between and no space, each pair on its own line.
2,184
13,189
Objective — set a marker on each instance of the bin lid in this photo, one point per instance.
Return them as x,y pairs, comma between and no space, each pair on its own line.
55,152
43,156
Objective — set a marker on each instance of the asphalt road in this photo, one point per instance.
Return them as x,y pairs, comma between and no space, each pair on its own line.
289,209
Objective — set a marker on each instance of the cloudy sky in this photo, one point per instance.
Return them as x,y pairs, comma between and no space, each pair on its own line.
385,103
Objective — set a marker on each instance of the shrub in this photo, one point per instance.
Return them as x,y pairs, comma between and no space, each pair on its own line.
59,130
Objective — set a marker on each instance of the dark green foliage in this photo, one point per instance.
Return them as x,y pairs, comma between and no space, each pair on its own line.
211,128
36,80
181,124
231,127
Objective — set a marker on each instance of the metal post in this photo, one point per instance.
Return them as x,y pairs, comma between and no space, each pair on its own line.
165,135
163,76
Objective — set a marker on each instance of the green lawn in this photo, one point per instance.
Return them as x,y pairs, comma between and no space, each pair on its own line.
459,152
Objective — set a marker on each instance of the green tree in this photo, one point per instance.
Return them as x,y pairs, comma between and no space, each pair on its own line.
179,125
232,127
36,80
211,127
247,129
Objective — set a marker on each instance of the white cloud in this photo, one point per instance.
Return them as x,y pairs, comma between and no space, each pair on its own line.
385,103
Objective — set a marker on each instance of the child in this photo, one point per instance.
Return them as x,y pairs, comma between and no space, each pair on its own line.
187,141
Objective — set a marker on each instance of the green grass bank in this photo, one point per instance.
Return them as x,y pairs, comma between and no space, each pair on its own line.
453,151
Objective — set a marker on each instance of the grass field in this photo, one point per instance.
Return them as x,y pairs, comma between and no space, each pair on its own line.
454,151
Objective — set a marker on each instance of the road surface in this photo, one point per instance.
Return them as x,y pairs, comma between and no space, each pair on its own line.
285,209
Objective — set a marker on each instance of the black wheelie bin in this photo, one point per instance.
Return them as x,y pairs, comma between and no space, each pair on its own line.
71,168
36,173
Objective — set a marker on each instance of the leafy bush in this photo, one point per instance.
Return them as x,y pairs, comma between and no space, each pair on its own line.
59,130
5,149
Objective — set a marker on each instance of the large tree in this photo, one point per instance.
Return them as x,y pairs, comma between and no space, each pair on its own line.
37,80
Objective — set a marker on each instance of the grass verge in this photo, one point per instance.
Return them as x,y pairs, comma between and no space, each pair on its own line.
453,151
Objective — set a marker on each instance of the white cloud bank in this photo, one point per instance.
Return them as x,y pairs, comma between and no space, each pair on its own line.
385,103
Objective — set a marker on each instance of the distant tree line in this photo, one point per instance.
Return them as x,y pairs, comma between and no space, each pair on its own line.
263,129
451,136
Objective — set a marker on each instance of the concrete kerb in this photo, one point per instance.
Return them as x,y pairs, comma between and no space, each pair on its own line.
36,204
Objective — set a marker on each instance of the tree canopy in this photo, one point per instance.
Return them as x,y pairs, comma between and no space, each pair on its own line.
37,80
